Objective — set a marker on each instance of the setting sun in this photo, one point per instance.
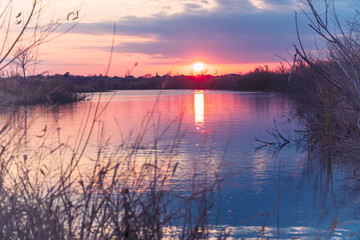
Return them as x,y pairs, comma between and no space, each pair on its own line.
198,67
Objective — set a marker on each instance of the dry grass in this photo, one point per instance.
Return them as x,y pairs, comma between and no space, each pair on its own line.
125,192
16,91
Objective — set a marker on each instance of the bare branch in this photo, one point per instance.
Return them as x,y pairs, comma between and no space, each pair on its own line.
319,70
31,33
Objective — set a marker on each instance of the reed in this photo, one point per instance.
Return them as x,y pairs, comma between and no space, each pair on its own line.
125,191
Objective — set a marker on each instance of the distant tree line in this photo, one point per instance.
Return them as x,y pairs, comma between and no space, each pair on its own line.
261,79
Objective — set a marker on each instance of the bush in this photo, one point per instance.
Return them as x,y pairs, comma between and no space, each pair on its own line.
330,105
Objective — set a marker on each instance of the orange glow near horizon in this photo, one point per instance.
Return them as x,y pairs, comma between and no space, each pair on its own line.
199,104
67,54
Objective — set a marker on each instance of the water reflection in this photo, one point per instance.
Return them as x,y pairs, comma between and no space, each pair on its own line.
199,103
256,177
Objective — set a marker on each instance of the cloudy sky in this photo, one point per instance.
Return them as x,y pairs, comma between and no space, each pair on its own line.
161,36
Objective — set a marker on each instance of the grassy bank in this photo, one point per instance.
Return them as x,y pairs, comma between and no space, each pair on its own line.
328,115
15,91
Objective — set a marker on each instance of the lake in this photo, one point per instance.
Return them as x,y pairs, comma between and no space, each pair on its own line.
264,191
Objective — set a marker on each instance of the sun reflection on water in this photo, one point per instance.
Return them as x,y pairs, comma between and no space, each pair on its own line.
199,109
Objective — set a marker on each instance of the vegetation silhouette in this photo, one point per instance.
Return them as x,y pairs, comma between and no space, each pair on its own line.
123,196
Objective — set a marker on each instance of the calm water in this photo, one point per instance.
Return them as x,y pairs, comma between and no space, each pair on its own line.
287,192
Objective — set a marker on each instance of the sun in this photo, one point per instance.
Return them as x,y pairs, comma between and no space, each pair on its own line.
198,67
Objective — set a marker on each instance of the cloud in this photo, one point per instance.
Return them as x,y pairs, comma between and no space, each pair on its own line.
224,35
256,5
192,6
235,6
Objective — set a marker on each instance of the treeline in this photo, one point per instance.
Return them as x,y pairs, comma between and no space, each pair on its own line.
261,79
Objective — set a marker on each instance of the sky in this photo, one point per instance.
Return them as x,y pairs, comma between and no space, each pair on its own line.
169,36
